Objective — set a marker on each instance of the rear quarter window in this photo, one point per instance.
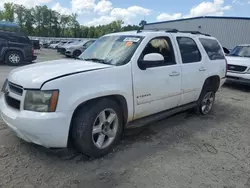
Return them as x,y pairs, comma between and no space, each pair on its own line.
213,49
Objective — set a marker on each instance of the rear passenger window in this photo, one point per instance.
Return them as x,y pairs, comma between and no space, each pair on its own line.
213,49
189,50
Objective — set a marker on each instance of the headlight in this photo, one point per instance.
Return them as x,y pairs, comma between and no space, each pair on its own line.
41,101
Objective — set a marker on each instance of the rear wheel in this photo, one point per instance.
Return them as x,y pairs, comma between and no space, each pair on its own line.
206,101
97,127
13,58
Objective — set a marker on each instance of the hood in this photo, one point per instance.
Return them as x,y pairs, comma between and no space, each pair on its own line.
33,76
243,61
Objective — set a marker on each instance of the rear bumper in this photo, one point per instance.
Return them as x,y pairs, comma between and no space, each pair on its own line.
34,57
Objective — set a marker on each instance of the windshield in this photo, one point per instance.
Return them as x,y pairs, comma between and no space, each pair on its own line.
241,51
113,50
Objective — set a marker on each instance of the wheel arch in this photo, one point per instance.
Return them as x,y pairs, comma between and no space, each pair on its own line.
15,50
119,99
213,82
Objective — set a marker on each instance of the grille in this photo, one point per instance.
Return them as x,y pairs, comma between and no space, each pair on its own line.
12,102
15,88
236,68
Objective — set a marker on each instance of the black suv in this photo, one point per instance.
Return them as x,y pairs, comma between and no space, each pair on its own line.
15,48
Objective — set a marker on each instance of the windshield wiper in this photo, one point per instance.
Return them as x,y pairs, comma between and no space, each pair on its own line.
96,60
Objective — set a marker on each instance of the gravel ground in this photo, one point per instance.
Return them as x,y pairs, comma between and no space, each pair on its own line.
183,151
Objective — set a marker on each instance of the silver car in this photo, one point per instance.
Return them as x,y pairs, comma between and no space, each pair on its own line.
78,49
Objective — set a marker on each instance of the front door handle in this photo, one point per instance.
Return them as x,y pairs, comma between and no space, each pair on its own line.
174,73
202,69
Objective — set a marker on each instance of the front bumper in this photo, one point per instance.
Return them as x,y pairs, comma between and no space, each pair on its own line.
68,53
238,78
46,129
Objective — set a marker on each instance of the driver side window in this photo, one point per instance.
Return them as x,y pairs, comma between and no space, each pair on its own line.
163,46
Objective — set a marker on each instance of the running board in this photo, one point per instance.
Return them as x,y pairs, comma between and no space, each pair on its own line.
159,116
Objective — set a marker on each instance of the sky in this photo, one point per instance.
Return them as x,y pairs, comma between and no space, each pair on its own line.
99,12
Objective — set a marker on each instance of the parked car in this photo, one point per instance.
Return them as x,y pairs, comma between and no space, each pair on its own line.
54,45
60,47
123,80
77,49
239,64
62,50
45,44
15,48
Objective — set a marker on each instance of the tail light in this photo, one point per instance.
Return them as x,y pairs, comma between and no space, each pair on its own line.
33,53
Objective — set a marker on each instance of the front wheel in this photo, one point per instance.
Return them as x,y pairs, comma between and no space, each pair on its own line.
76,53
206,102
97,127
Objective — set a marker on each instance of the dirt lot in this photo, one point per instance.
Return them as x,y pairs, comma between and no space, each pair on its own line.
183,151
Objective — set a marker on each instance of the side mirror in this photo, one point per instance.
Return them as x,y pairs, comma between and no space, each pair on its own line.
151,60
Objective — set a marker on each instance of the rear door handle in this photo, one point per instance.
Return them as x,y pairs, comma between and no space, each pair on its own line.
174,73
202,69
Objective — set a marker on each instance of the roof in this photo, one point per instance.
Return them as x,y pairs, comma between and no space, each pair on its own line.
8,24
212,17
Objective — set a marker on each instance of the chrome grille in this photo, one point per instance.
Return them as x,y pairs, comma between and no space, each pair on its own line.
15,88
236,68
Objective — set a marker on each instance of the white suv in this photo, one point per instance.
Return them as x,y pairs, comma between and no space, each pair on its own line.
239,64
122,80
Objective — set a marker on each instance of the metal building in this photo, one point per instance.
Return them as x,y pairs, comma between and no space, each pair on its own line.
230,31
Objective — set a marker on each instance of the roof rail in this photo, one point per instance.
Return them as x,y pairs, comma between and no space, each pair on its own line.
174,31
195,32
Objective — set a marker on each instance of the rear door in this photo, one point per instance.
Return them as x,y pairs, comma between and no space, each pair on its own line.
216,61
192,68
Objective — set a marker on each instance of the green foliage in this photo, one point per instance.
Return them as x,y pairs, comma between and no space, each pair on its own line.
42,21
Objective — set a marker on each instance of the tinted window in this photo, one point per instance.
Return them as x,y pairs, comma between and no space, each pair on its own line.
24,40
162,46
212,48
189,50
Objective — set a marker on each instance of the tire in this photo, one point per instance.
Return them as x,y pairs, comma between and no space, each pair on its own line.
206,101
98,141
13,58
76,53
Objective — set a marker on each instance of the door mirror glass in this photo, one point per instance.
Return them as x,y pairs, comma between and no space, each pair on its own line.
151,60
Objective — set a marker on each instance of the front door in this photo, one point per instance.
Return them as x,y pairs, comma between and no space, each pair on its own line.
157,88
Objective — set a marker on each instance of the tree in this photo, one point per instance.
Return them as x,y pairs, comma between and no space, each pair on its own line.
8,13
20,12
142,23
42,21
29,22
